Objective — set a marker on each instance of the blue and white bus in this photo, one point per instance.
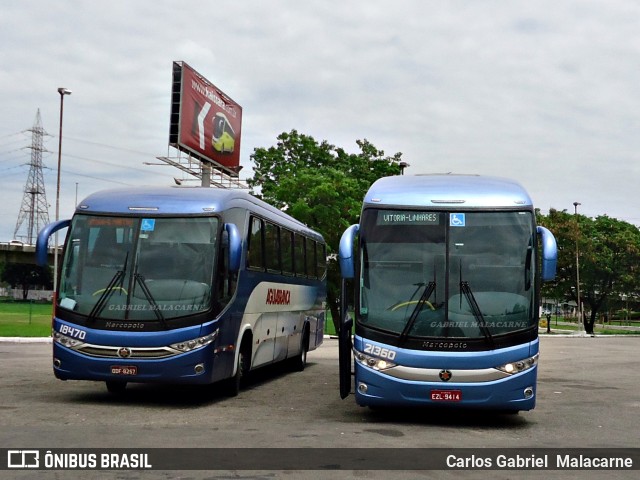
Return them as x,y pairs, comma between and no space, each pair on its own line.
183,285
446,277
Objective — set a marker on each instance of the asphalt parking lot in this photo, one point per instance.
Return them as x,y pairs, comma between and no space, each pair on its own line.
587,398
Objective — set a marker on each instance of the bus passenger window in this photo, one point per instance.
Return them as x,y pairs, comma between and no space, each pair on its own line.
311,258
286,244
254,254
321,260
272,247
299,256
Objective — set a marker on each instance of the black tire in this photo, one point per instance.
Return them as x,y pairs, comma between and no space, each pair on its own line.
299,362
115,386
236,382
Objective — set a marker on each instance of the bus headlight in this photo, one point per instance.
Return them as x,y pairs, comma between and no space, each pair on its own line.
372,362
196,343
66,341
520,365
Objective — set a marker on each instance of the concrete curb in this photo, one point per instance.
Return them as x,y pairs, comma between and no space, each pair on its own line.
25,339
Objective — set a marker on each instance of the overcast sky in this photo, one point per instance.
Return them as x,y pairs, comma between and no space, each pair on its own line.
546,92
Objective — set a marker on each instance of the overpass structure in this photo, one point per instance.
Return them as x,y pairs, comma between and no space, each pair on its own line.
18,252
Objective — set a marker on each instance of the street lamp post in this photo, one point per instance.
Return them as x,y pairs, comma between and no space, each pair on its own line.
580,319
62,91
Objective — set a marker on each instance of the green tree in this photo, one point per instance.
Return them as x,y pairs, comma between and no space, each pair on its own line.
26,276
608,254
564,228
321,185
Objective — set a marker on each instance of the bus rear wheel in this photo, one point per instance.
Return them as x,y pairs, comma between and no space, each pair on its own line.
299,362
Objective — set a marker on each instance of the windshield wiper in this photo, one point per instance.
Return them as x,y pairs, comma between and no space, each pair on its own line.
139,278
416,311
116,280
475,309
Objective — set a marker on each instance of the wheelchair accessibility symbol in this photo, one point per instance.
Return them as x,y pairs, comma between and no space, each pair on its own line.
456,219
148,225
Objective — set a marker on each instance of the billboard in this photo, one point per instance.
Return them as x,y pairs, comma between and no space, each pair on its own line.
204,121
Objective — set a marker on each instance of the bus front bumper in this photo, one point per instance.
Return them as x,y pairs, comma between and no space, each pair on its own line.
516,392
192,367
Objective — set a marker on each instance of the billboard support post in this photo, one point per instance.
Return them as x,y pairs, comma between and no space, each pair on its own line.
206,175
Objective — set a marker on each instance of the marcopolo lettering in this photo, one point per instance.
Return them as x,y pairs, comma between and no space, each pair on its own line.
277,296
444,345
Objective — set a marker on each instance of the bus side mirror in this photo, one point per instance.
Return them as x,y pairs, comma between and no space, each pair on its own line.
345,252
235,246
549,255
42,243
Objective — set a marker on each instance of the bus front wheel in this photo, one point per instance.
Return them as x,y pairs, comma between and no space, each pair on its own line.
242,367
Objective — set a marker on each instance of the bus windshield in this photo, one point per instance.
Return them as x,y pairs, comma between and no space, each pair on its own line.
446,274
143,269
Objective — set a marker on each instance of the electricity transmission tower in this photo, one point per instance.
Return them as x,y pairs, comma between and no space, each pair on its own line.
34,211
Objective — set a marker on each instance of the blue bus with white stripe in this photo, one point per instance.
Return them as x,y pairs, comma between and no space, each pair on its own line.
183,285
446,271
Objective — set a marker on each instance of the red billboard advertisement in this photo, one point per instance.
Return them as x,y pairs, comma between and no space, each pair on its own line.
204,121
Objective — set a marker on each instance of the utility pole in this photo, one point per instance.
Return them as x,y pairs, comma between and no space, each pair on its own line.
62,91
580,319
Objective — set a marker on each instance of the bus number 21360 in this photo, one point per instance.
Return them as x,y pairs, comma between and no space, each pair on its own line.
378,351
